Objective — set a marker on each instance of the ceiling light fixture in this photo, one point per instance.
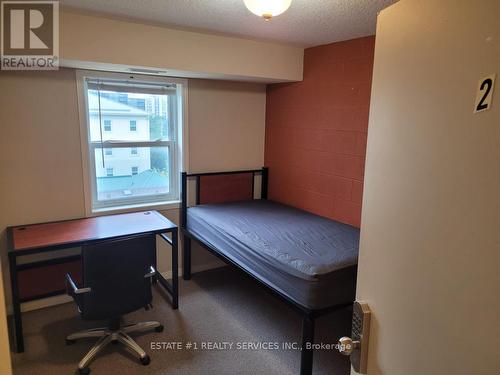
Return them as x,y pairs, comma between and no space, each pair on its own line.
267,9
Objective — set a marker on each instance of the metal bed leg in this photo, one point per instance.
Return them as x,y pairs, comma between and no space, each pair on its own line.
187,257
306,357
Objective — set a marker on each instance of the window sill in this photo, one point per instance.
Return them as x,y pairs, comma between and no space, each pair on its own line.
159,206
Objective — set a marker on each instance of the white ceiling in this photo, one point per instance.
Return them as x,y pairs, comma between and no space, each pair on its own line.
306,23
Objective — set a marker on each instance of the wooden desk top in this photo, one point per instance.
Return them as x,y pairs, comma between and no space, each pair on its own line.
25,238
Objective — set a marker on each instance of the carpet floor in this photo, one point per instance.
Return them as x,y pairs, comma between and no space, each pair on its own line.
224,313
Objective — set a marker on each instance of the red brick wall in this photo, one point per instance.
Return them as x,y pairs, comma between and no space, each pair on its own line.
316,131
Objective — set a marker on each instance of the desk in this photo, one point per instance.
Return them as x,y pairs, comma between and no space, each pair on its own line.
39,238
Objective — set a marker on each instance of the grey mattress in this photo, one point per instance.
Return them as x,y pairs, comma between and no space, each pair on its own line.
309,259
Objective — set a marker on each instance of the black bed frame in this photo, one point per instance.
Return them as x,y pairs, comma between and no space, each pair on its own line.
308,315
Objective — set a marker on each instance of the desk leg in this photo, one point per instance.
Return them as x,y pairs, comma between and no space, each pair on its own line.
175,270
16,305
154,279
187,257
172,288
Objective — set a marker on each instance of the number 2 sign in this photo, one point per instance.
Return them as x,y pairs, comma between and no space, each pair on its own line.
484,94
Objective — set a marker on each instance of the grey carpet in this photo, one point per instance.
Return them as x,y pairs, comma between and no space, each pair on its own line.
220,305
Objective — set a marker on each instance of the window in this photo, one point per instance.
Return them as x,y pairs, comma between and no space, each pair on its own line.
147,117
107,125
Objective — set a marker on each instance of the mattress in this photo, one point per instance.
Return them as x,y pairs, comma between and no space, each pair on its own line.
307,258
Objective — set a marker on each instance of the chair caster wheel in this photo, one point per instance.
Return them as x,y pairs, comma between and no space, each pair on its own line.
84,371
145,360
70,342
159,329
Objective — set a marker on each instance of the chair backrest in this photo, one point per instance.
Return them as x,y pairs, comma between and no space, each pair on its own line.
115,272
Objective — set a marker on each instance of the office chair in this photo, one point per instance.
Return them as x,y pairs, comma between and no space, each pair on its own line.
117,279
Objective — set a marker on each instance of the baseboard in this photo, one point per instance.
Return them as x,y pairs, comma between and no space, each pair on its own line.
195,269
63,298
208,266
45,302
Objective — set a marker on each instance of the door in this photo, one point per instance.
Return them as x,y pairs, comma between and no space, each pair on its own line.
429,264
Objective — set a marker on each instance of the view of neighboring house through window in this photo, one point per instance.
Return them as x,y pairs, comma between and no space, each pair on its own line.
138,123
107,125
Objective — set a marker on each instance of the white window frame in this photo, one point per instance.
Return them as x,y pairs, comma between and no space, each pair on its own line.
178,153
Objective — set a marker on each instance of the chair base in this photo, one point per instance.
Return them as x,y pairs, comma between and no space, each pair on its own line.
106,335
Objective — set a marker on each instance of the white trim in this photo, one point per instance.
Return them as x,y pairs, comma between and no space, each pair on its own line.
185,166
82,116
159,206
85,145
121,76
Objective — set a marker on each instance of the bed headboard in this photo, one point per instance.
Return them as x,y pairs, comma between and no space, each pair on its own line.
219,187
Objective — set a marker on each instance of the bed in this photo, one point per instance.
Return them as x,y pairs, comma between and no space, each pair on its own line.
306,260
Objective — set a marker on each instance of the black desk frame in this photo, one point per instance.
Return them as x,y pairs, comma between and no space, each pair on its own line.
171,288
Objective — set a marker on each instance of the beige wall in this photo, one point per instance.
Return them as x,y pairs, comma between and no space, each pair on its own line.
89,38
40,159
429,256
5,363
223,133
